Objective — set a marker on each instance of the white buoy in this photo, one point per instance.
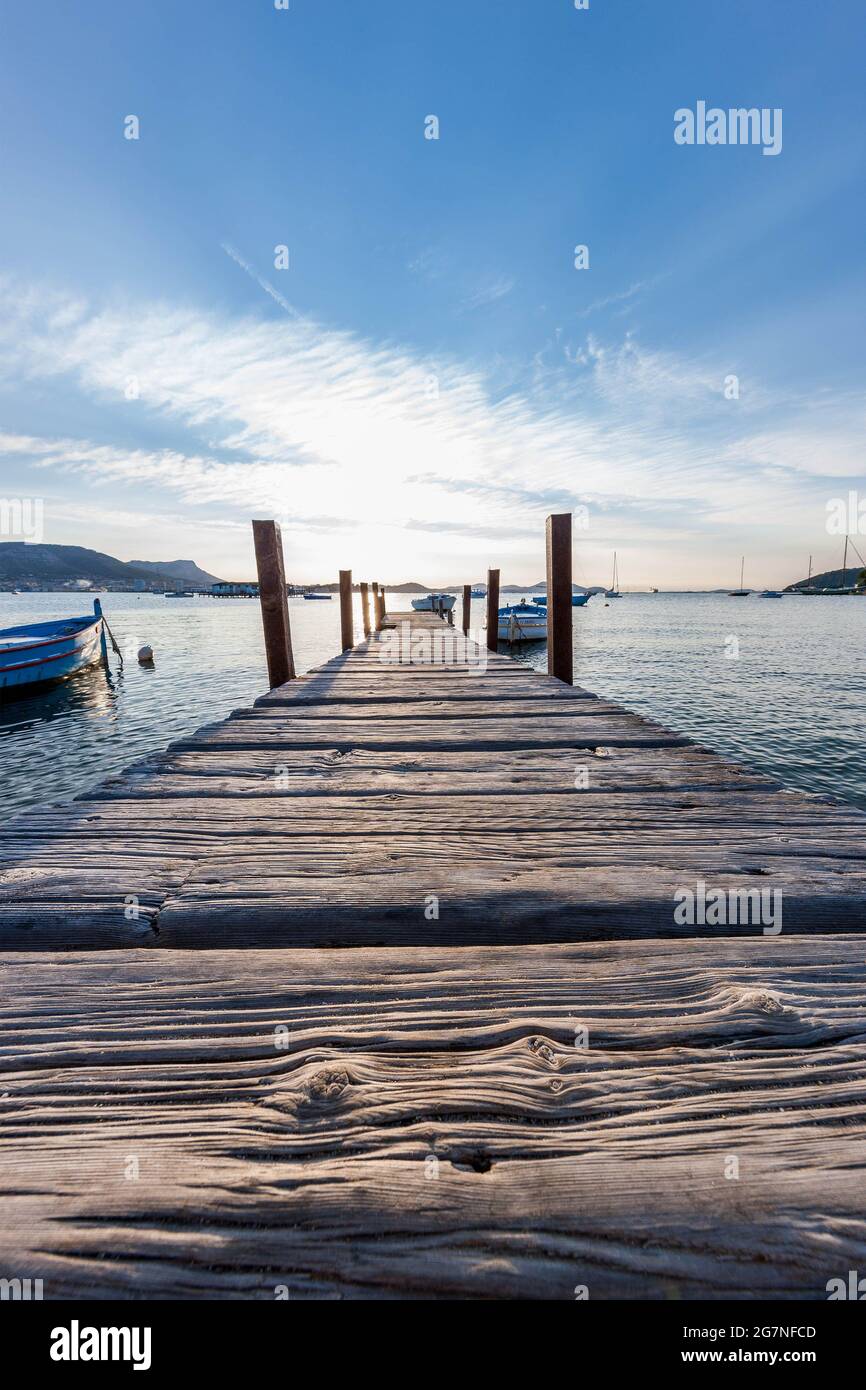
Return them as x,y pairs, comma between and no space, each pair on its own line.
145,656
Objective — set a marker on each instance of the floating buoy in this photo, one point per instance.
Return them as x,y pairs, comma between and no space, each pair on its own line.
145,656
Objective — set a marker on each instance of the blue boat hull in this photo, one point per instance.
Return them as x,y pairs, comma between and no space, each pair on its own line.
46,652
577,600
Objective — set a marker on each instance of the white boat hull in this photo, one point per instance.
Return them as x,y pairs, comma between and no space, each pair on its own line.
520,628
430,604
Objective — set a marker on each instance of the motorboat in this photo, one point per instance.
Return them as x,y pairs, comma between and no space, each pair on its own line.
434,603
577,600
522,622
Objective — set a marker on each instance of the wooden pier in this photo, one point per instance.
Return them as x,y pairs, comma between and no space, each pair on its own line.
376,989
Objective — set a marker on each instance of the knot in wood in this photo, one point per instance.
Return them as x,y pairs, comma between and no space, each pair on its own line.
543,1049
327,1085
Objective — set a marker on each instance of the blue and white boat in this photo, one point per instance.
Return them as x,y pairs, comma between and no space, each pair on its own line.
577,600
320,596
434,603
522,622
39,652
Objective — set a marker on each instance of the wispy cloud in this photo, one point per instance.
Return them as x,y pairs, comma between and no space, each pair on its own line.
623,297
327,429
488,292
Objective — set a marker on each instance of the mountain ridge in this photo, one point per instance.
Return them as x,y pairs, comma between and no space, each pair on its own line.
186,570
23,562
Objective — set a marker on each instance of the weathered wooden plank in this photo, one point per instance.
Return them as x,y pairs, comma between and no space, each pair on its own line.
198,775
499,733
337,897
394,690
616,769
426,1124
742,812
335,710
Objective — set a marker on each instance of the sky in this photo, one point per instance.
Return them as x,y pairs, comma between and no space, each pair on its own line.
431,374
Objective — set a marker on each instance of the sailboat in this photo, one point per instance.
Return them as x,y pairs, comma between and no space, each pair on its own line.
741,592
844,587
613,591
808,587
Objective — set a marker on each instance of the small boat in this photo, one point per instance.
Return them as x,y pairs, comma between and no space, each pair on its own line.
613,591
41,652
653,590
179,593
741,592
478,593
577,600
771,593
319,596
522,622
433,603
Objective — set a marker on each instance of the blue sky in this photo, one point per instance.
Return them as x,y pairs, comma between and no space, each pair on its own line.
431,375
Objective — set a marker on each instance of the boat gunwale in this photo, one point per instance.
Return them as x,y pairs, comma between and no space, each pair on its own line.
45,642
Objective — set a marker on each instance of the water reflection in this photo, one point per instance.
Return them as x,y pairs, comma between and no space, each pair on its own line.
92,693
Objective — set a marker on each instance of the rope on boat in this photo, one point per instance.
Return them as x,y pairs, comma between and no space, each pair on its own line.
111,635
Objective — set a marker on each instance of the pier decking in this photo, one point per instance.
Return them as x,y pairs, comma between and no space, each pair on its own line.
376,989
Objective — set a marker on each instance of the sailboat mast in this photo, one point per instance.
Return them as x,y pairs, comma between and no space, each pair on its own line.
844,561
742,567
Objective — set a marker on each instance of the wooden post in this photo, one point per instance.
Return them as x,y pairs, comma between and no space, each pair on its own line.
560,640
467,604
365,608
347,626
377,622
275,606
492,610
382,609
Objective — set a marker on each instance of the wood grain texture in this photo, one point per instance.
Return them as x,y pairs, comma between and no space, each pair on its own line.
401,1124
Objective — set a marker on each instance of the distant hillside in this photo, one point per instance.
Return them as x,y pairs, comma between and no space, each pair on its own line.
830,579
21,563
186,570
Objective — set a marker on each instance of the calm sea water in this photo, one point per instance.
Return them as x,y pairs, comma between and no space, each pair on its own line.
777,684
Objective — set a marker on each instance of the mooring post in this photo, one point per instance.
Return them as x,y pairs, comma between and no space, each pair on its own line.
492,610
560,641
347,625
275,605
467,604
376,621
382,605
365,608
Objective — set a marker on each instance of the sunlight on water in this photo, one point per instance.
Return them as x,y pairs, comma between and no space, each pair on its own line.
792,703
